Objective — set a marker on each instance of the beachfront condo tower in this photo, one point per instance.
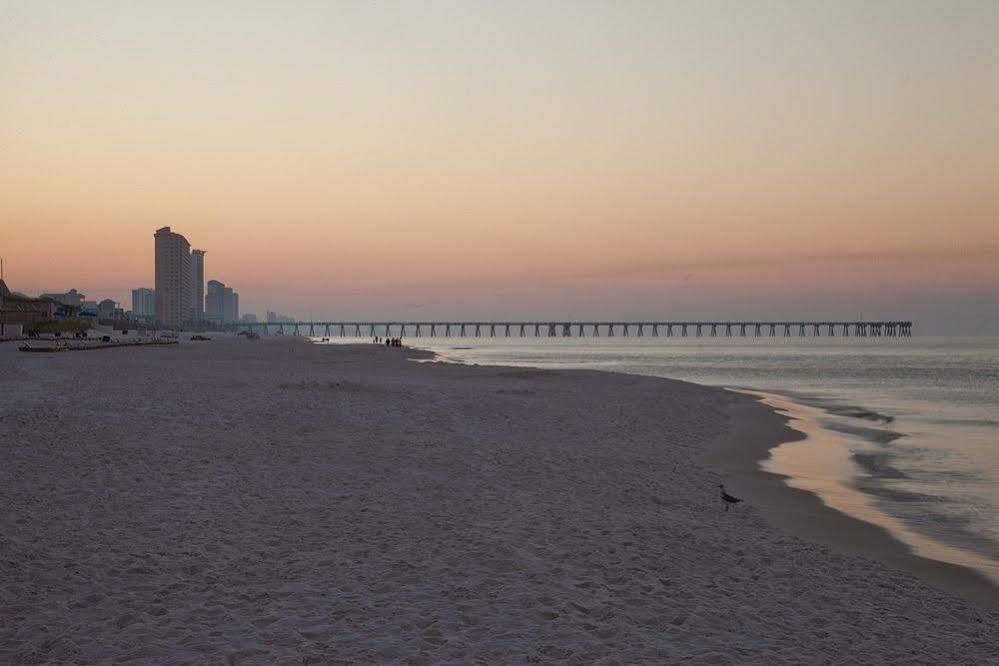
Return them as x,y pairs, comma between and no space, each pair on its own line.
173,278
221,303
228,306
144,302
197,285
214,300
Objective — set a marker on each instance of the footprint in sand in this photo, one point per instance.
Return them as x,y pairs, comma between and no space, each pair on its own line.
434,636
126,620
318,634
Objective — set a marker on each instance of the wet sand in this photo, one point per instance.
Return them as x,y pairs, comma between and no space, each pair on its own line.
738,454
274,501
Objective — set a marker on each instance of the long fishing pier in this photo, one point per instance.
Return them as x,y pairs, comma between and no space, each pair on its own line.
568,329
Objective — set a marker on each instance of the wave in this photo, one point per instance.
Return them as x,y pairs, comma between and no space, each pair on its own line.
838,409
937,517
876,435
855,412
985,423
876,464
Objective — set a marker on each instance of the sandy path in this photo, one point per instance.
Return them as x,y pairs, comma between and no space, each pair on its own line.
271,501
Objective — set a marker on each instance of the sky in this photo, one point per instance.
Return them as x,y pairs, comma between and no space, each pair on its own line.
506,160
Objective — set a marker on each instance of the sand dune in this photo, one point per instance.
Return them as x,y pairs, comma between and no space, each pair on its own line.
276,502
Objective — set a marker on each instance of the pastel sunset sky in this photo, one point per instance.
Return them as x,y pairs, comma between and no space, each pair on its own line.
512,159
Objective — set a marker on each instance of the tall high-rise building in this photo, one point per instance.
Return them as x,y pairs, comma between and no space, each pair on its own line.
214,302
197,285
228,301
173,278
143,302
221,303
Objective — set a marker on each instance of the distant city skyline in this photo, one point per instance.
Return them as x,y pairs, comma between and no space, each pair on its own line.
509,160
941,306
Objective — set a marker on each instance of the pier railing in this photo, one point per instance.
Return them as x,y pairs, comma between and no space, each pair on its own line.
568,329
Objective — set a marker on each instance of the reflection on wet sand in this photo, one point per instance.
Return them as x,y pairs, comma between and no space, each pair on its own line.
824,463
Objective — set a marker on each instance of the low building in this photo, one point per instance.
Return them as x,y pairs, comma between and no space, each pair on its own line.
72,298
63,309
21,309
11,330
275,318
105,309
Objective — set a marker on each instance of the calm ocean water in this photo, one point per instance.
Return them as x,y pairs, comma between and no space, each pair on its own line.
902,433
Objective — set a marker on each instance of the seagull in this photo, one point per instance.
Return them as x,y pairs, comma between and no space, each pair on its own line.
728,499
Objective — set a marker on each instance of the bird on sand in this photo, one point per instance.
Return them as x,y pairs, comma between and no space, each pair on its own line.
726,498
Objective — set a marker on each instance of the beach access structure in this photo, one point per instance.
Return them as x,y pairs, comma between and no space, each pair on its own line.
568,329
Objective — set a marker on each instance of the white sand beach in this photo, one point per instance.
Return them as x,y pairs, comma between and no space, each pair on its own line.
274,501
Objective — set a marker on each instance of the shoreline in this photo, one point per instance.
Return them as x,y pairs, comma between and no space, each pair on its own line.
739,454
803,513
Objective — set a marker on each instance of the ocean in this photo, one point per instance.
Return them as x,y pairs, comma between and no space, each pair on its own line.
903,433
